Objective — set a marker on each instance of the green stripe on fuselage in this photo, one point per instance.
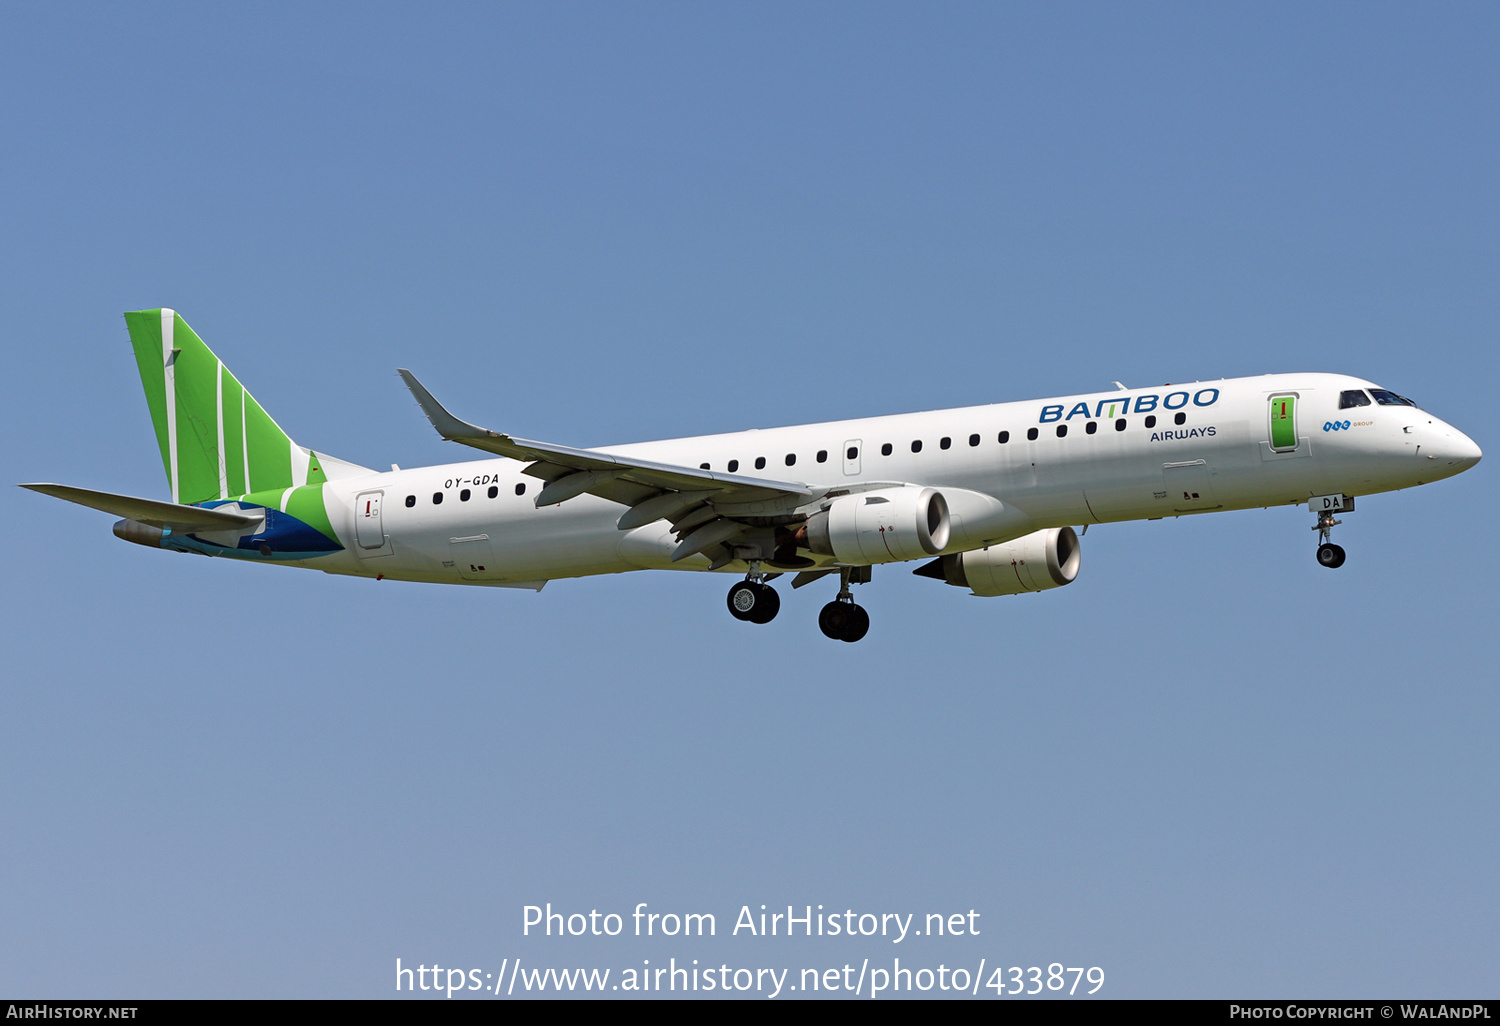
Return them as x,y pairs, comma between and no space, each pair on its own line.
307,505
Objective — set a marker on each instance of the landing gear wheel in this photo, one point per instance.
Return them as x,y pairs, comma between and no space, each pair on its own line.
843,621
768,606
1330,555
743,600
834,618
859,624
753,601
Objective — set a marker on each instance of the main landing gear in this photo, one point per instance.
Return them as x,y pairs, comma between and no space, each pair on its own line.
841,619
754,600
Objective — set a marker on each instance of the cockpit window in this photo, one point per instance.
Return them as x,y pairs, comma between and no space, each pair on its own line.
1352,398
1385,398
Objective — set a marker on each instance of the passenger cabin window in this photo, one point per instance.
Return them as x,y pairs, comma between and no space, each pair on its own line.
437,498
885,450
1120,424
791,459
760,463
1062,431
1093,426
703,466
916,446
1031,434
734,465
853,453
1181,418
1352,398
822,455
1005,436
463,496
493,491
973,440
1151,421
411,500
945,442
521,488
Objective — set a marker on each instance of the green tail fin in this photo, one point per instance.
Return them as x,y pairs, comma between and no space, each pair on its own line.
216,440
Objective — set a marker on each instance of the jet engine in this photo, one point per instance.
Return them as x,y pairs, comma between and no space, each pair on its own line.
1035,562
886,525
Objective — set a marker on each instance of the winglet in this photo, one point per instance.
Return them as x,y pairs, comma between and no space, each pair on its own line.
449,426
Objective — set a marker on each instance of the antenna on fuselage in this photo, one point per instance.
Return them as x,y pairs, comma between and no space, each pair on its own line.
1121,387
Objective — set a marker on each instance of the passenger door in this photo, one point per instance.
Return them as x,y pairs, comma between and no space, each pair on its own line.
368,529
1284,422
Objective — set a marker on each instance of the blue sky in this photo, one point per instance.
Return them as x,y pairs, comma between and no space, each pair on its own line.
1209,766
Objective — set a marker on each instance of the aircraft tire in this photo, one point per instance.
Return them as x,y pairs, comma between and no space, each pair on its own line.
859,624
742,600
833,619
767,605
843,621
1330,555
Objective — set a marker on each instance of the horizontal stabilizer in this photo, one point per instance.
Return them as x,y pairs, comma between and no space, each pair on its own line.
148,511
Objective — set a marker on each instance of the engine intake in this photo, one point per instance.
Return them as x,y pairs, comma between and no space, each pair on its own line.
1038,561
886,525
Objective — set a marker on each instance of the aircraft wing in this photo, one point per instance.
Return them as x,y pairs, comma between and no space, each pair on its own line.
148,511
699,503
554,463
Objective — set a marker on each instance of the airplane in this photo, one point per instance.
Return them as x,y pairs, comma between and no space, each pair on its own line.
987,496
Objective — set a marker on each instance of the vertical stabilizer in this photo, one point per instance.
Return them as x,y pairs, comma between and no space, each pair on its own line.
216,440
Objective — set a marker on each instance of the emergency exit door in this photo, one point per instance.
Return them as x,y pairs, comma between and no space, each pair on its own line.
852,456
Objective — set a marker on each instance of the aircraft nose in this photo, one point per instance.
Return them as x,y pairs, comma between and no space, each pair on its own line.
1457,450
1466,450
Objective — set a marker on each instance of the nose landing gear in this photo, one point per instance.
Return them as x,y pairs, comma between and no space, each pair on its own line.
841,619
1329,554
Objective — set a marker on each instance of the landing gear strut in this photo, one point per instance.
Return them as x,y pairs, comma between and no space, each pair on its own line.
841,619
1329,554
752,599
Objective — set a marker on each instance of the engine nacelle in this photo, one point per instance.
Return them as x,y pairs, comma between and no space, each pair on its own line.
1036,562
886,525
141,534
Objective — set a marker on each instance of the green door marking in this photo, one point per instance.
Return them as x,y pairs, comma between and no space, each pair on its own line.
1283,422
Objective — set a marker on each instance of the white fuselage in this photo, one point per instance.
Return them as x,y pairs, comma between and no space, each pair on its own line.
1220,457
